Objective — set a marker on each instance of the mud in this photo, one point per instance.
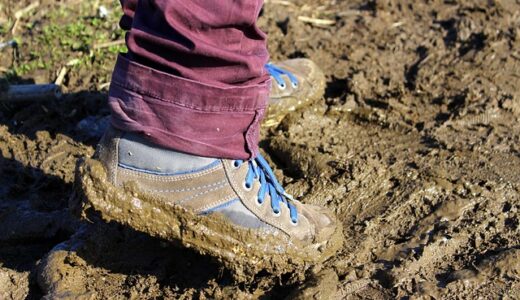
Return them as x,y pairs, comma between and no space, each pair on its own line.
415,146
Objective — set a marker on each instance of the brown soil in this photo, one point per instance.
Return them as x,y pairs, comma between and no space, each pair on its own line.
416,147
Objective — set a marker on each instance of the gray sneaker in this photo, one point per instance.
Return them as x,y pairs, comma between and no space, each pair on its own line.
296,83
235,211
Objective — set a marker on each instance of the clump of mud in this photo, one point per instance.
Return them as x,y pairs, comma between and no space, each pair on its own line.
415,146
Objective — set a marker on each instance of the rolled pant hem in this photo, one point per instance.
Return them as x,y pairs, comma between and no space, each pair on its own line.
186,115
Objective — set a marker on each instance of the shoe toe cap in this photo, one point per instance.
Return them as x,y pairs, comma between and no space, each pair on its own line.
322,219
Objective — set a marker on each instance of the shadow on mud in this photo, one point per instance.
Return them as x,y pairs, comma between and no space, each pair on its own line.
82,116
34,193
33,218
121,250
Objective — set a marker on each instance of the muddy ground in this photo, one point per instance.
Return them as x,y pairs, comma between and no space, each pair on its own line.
416,147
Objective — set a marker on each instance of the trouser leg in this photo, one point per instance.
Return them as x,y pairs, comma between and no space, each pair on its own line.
194,77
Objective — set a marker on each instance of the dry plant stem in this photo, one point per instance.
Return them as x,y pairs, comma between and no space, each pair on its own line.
109,44
23,11
61,76
15,26
281,2
315,21
19,14
103,85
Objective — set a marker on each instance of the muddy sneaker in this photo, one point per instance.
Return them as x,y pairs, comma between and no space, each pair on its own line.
235,211
295,83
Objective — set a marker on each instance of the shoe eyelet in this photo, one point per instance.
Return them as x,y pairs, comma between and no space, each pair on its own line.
282,86
295,85
236,164
247,187
277,214
258,202
293,223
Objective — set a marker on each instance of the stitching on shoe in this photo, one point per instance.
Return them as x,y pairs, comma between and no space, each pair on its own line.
200,194
159,178
222,182
115,159
140,170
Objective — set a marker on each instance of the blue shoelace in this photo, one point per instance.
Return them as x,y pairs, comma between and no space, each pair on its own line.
277,73
259,170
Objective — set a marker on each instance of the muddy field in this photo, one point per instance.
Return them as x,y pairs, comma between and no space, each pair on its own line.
415,145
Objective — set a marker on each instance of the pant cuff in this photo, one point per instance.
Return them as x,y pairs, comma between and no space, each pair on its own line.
186,115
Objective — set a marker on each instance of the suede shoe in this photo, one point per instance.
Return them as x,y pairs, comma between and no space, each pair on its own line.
235,211
296,83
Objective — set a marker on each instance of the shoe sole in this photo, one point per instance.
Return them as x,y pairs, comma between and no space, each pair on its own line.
244,252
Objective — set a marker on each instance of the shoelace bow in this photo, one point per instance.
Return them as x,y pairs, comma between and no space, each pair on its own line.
277,73
259,170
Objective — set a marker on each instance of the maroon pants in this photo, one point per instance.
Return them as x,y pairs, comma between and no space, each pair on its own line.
193,79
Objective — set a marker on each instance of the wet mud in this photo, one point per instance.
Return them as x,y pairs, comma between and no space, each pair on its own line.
415,146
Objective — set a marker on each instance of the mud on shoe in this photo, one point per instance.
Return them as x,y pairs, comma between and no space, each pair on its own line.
233,210
296,83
